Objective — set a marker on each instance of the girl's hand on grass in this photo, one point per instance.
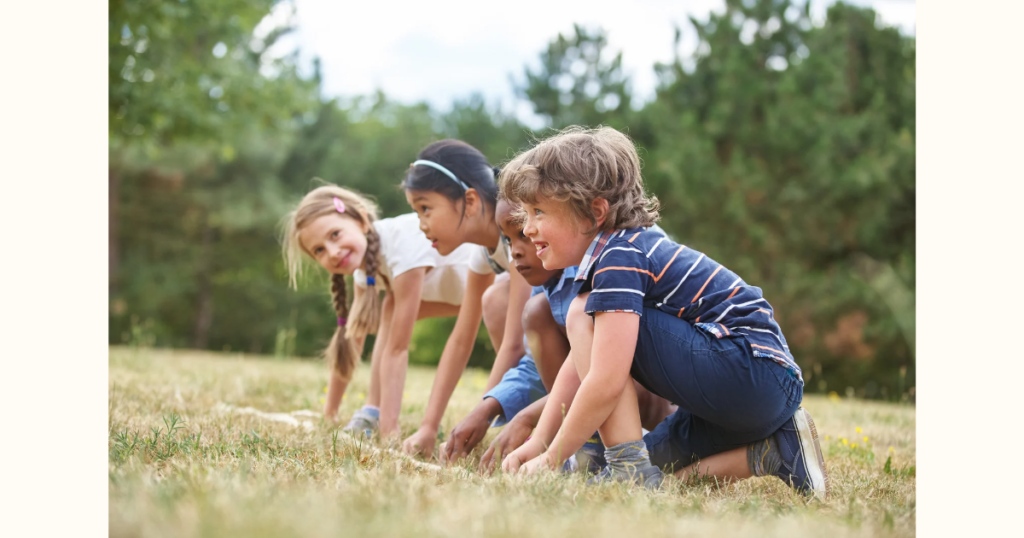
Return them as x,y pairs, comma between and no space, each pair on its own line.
511,437
530,449
420,443
540,464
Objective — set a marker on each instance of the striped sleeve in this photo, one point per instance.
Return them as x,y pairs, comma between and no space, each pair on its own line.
621,279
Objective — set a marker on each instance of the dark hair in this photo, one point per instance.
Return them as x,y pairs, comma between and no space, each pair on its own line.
461,159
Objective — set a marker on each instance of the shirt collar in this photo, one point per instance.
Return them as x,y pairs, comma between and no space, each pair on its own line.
596,246
556,283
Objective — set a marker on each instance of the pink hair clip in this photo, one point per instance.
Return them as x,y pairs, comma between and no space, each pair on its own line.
339,205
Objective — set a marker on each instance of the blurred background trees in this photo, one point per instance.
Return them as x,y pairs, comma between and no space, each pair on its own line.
783,149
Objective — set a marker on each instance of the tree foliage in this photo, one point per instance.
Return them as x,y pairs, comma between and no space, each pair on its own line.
782,149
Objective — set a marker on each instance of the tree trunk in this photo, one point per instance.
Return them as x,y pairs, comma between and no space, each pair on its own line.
204,307
113,182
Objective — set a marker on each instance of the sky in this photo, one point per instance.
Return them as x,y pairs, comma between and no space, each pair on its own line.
439,51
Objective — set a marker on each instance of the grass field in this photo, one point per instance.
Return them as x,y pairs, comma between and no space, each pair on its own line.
180,465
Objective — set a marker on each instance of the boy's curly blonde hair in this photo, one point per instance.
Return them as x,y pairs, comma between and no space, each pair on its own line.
577,166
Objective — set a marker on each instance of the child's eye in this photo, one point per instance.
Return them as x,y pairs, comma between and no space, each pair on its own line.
506,240
537,211
317,251
423,208
334,234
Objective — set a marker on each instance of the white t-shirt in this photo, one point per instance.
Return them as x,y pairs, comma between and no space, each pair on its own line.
485,262
404,247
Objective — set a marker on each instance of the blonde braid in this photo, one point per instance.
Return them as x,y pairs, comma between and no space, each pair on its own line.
340,354
366,311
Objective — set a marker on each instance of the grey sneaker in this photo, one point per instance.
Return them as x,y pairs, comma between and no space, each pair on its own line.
649,478
362,425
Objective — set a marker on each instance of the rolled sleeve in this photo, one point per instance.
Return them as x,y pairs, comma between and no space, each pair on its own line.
518,388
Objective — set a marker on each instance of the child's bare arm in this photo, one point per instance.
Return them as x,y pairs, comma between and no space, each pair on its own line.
335,390
513,435
335,385
407,290
606,376
512,342
558,403
453,362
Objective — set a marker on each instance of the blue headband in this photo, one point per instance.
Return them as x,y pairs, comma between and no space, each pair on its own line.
443,170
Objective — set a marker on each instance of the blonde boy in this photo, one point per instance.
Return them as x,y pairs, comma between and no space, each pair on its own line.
684,326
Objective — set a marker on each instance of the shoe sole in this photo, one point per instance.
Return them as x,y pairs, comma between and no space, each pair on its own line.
809,445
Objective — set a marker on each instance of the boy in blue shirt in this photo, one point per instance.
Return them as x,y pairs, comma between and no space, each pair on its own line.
516,402
682,325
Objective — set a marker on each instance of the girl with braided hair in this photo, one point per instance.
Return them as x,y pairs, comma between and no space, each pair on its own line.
339,229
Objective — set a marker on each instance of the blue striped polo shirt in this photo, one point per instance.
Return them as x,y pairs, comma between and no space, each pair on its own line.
627,270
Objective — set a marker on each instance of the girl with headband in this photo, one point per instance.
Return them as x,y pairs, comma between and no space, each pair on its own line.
339,230
452,188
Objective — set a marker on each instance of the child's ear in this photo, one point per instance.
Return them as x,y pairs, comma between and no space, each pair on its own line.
473,202
599,208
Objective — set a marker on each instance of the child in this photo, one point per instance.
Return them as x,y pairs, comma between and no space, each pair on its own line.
520,386
451,186
544,322
682,325
339,229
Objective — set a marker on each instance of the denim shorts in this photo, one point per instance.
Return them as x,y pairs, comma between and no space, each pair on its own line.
727,397
518,388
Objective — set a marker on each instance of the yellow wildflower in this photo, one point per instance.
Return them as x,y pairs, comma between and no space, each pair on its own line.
325,390
845,442
853,445
858,430
865,438
828,437
322,400
833,396
362,395
891,449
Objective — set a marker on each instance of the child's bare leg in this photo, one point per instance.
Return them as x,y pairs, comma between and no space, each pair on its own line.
653,408
625,450
623,425
725,466
495,308
548,343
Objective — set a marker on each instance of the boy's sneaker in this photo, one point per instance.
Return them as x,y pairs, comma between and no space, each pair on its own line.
649,478
590,458
629,462
793,454
362,425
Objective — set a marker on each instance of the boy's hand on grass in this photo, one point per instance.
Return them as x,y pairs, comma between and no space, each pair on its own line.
530,449
421,443
471,430
540,464
512,436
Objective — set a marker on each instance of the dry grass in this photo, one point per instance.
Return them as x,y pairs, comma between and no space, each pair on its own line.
180,467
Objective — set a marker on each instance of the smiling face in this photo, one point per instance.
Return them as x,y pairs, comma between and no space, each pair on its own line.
522,251
440,219
336,242
556,236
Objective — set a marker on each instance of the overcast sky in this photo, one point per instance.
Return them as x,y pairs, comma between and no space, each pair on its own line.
441,50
